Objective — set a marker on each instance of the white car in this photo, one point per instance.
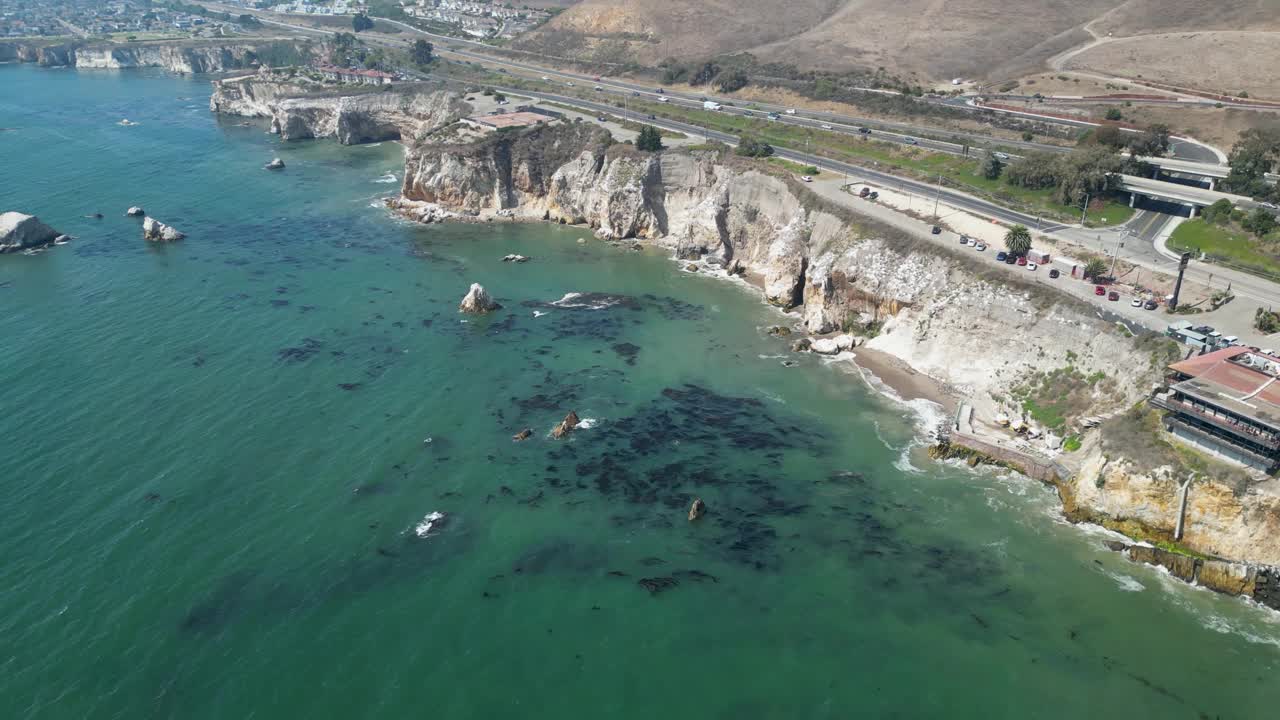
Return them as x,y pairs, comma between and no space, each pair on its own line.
806,178
791,111
910,141
826,127
664,99
980,246
1032,266
1135,303
570,83
544,77
599,89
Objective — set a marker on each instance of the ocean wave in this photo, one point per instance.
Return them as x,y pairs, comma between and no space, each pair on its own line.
587,423
386,179
1126,582
588,301
538,313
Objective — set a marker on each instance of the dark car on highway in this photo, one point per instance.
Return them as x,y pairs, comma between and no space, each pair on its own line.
864,130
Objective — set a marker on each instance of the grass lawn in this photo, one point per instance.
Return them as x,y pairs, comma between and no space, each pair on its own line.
1230,244
794,167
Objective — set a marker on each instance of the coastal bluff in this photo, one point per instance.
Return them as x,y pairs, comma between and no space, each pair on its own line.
184,56
833,270
299,109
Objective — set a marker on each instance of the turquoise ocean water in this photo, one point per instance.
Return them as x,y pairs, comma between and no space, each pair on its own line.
215,454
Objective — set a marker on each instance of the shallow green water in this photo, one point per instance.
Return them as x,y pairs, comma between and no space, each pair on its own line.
201,522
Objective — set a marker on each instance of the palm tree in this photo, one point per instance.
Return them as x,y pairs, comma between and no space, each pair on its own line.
1095,268
1018,240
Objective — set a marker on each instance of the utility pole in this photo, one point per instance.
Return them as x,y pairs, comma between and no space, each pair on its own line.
1084,211
1177,288
1115,255
937,196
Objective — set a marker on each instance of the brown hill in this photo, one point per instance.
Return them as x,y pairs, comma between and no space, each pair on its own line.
934,39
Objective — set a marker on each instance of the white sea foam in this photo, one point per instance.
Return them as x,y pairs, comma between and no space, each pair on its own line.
1126,583
386,179
538,313
596,302
587,423
433,520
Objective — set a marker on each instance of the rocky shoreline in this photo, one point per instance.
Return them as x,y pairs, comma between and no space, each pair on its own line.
213,56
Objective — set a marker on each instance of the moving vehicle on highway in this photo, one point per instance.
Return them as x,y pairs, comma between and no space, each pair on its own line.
864,130
826,126
791,111
709,105
910,141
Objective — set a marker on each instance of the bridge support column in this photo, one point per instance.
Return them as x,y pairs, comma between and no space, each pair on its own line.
1194,210
1133,198
1213,183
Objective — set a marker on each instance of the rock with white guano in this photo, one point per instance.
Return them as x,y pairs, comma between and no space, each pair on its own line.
135,211
477,301
19,231
156,231
275,164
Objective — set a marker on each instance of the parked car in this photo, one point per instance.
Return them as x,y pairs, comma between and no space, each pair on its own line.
980,246
911,141
826,126
806,178
1053,273
1268,351
936,230
1032,266
874,194
1011,260
1113,296
1000,256
964,239
1150,305
1022,259
1099,290
1136,302
865,191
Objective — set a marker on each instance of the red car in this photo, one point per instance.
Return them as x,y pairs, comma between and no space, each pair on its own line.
1113,296
1022,260
1099,290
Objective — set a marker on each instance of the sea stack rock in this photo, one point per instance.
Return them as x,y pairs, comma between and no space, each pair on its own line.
135,211
156,231
477,301
19,232
697,509
566,426
275,164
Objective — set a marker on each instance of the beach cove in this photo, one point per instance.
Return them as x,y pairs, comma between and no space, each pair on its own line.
219,449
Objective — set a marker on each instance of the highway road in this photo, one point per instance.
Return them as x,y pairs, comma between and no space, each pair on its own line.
1142,253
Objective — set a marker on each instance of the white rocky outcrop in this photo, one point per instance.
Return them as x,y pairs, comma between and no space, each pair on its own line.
156,231
135,211
301,110
275,164
19,231
824,346
477,301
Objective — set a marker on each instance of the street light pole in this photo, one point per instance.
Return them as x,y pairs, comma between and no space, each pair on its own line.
937,196
1084,211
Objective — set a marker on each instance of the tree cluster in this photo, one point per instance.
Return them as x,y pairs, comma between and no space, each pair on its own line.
1266,321
751,147
1255,154
1152,142
422,53
361,22
1086,171
650,139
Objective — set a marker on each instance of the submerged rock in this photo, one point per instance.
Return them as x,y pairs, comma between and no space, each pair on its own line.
477,301
19,231
802,345
156,231
135,211
697,509
522,435
275,164
566,426
779,331
516,258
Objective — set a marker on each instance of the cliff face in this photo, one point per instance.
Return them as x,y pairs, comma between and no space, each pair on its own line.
979,337
185,57
301,112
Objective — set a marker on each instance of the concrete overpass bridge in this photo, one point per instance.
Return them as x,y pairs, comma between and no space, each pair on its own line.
1205,172
1192,197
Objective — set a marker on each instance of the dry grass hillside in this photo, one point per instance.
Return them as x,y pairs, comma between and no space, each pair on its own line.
932,39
